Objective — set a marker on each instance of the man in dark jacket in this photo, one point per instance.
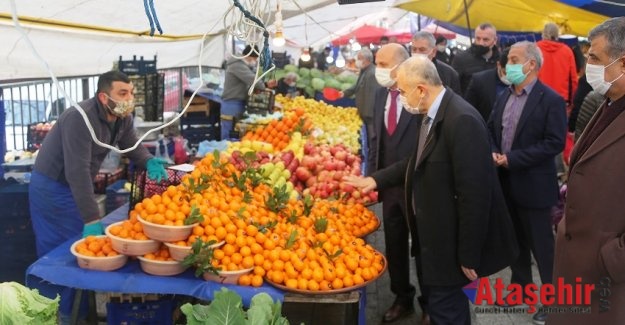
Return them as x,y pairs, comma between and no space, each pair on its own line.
423,43
527,129
395,131
486,85
365,89
456,212
482,55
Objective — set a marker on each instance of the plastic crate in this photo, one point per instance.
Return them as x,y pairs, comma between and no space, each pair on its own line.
135,66
195,135
104,179
144,187
140,313
116,195
260,103
34,137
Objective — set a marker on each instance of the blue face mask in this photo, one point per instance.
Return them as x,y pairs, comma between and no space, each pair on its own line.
514,73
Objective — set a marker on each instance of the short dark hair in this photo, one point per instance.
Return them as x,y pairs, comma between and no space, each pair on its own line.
440,39
105,81
384,38
503,57
247,51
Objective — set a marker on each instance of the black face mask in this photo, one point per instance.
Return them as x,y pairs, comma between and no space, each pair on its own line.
479,50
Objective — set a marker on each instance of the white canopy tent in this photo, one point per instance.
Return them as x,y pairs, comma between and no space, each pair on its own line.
86,37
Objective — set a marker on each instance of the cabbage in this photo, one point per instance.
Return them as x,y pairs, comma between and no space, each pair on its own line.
21,305
279,74
304,72
316,73
290,68
333,83
318,83
345,86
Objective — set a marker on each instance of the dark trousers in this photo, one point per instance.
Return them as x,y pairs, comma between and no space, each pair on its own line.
397,250
448,305
535,235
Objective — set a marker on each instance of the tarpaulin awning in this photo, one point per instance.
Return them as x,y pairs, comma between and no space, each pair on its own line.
508,15
364,35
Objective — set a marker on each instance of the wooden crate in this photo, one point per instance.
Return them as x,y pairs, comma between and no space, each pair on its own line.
198,104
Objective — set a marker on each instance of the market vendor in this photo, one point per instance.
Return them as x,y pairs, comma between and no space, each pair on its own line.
62,200
240,75
287,85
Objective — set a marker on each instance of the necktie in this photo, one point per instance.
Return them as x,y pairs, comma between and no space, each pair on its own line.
423,134
391,123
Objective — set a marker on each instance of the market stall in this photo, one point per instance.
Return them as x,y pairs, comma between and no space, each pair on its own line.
267,214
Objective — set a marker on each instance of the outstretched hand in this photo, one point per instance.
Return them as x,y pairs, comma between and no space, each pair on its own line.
156,169
364,184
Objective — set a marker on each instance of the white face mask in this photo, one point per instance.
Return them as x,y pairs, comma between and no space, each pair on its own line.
383,76
423,55
441,48
122,108
595,75
410,109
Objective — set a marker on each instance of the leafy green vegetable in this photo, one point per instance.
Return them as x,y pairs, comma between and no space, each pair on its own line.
227,309
21,305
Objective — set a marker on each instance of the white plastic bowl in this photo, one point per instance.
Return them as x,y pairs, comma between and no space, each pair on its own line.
131,247
165,268
180,252
227,277
166,233
108,263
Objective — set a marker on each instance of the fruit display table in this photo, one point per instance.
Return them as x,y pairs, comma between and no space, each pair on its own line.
59,268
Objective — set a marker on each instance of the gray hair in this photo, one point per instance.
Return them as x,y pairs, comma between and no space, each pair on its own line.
532,51
483,26
425,35
551,31
366,54
613,30
291,75
419,69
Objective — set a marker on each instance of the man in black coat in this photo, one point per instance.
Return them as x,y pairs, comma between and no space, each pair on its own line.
423,43
390,144
486,85
457,214
482,55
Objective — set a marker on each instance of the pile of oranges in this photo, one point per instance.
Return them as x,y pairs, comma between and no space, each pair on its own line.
300,244
93,246
278,132
129,229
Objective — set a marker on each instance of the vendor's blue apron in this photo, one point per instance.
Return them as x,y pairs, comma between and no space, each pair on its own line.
230,110
55,219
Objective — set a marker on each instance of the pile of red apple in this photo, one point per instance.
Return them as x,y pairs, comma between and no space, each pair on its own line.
322,168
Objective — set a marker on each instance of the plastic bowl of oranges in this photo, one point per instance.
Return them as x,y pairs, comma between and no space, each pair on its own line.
179,250
97,253
127,238
161,263
227,277
166,233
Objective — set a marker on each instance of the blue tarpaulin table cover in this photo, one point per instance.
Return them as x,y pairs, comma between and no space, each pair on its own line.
59,267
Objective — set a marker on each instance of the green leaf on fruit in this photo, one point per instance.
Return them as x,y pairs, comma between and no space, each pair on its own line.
321,224
292,239
195,216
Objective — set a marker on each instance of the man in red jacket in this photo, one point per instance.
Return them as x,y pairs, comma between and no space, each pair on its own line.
558,71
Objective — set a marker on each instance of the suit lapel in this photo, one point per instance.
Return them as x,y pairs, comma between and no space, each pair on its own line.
404,121
613,132
430,141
